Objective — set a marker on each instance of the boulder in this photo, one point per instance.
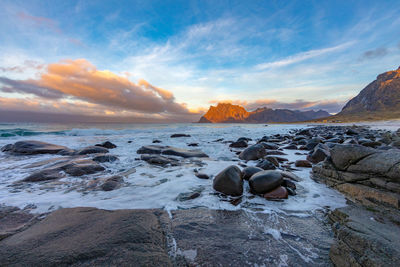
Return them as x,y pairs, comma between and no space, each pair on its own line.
179,135
266,165
159,160
239,144
249,171
112,183
107,144
303,163
169,150
268,145
32,147
345,155
318,154
105,158
92,150
229,181
276,194
291,147
201,175
253,152
265,181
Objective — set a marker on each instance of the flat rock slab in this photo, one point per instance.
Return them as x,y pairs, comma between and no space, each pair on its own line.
172,151
12,220
32,147
87,237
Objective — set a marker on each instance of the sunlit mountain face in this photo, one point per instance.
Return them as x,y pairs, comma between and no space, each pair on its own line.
168,61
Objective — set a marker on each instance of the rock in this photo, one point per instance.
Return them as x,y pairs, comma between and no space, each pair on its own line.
179,135
188,196
265,181
107,144
91,237
291,147
82,167
229,181
168,150
266,165
159,160
303,163
290,176
45,175
13,220
269,145
253,152
278,193
249,171
351,132
239,144
156,141
288,184
92,150
275,152
202,175
373,144
32,147
112,183
105,158
318,155
345,155
193,144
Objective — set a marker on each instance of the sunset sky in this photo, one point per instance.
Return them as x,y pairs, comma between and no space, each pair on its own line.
152,61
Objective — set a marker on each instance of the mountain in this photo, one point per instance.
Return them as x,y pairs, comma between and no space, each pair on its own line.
378,101
226,113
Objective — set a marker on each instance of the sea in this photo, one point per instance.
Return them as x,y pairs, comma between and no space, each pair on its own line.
147,186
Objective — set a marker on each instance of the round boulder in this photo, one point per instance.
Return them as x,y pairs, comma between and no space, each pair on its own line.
229,181
265,181
276,194
250,171
253,152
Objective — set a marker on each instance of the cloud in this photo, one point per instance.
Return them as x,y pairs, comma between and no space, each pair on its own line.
40,22
80,80
332,106
375,53
302,56
27,64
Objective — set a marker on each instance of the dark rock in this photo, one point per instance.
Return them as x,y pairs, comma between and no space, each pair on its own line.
291,176
291,147
303,163
151,149
291,192
266,165
45,175
112,183
168,150
107,144
193,144
156,141
373,144
318,155
91,237
243,139
265,181
159,160
239,144
270,146
229,181
31,147
82,167
249,171
351,132
187,196
345,155
253,152
201,175
92,150
179,135
278,193
105,158
288,184
275,152
13,220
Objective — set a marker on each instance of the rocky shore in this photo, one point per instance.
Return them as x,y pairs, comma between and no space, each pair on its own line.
362,163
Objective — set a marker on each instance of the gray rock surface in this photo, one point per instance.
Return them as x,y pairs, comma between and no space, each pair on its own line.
173,151
265,181
32,147
229,181
253,152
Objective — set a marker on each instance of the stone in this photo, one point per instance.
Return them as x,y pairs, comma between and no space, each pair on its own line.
90,237
253,152
112,183
193,144
318,155
288,184
250,171
229,181
156,141
168,150
32,147
82,167
45,175
201,175
105,158
179,135
291,147
303,163
266,165
92,150
188,196
265,181
159,160
107,144
278,193
239,144
268,145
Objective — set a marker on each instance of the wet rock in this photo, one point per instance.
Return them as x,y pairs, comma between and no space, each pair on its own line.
168,150
201,175
107,144
291,176
291,147
13,220
45,175
239,144
82,167
179,135
303,163
276,194
270,146
32,147
265,181
373,144
288,184
266,165
249,171
188,196
156,141
193,144
91,237
345,155
275,152
253,152
244,139
92,150
318,154
112,183
159,160
151,149
351,132
274,160
105,158
229,181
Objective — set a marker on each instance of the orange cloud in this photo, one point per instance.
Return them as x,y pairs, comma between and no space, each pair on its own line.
80,80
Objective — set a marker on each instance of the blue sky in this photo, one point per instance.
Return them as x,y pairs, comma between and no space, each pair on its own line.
280,54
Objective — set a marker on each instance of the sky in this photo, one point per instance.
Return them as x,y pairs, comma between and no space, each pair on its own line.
168,61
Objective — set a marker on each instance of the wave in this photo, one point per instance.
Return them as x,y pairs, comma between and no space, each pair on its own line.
25,132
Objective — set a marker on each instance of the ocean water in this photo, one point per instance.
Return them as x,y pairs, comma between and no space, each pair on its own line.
147,186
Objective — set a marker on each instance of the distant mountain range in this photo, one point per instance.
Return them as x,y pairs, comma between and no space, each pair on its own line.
380,100
228,113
